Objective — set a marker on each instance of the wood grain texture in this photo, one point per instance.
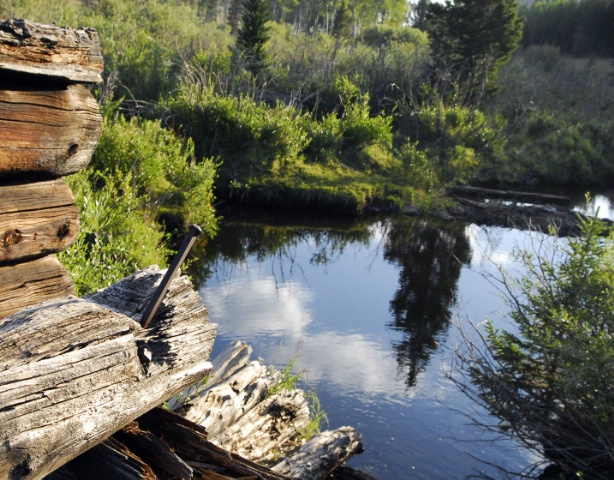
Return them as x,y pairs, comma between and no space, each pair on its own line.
30,283
74,371
71,55
46,131
36,219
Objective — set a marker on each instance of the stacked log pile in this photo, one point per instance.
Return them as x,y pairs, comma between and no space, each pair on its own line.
49,127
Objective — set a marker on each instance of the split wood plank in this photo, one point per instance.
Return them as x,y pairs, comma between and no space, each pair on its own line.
50,131
36,219
71,55
30,283
74,371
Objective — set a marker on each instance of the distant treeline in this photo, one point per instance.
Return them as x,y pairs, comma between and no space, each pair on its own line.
580,28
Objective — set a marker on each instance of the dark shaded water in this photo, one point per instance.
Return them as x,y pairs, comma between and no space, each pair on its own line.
368,309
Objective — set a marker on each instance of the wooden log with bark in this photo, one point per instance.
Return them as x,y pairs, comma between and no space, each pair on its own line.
61,53
46,130
36,219
74,371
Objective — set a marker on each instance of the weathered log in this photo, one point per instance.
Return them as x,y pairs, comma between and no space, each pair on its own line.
46,130
265,430
36,219
32,282
184,450
223,404
317,458
71,55
525,197
539,218
240,413
75,371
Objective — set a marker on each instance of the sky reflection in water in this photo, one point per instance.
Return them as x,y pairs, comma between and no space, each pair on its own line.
368,313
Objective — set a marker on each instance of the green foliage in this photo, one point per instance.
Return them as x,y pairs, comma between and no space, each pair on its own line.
558,151
472,51
253,34
252,138
137,168
582,28
116,238
460,140
551,381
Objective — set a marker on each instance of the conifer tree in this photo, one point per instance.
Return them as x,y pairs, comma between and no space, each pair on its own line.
472,39
253,34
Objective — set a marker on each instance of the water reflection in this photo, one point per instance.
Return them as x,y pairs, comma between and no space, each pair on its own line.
366,306
426,258
430,256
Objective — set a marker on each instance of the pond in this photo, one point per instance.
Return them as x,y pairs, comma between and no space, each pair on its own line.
368,310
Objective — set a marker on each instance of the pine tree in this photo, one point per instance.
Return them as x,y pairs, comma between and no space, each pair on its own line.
253,34
472,39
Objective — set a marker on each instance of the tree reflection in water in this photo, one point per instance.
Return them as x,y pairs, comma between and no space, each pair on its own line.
430,255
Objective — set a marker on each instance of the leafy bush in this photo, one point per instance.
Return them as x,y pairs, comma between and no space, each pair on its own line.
461,141
551,382
138,170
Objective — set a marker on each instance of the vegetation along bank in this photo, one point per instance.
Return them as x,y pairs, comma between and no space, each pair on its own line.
348,106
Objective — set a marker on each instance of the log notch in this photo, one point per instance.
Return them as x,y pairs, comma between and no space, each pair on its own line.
49,127
74,371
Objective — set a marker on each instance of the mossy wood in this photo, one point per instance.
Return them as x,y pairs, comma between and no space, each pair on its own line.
74,371
29,283
36,219
46,131
58,53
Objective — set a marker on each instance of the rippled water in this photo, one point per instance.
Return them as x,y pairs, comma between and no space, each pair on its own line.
368,310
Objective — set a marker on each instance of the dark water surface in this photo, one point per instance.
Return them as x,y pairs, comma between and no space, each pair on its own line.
369,310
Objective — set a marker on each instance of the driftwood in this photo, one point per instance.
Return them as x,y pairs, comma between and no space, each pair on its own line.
67,54
512,195
161,444
539,218
242,414
32,282
46,130
322,454
74,371
36,219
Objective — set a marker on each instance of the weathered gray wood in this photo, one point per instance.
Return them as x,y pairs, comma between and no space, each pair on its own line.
73,371
46,130
184,450
526,197
71,55
221,405
36,219
32,282
262,432
317,458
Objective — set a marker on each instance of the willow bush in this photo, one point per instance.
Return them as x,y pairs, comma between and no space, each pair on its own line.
551,381
140,175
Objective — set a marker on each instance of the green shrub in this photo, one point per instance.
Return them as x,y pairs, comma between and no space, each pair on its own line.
138,169
117,236
551,381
